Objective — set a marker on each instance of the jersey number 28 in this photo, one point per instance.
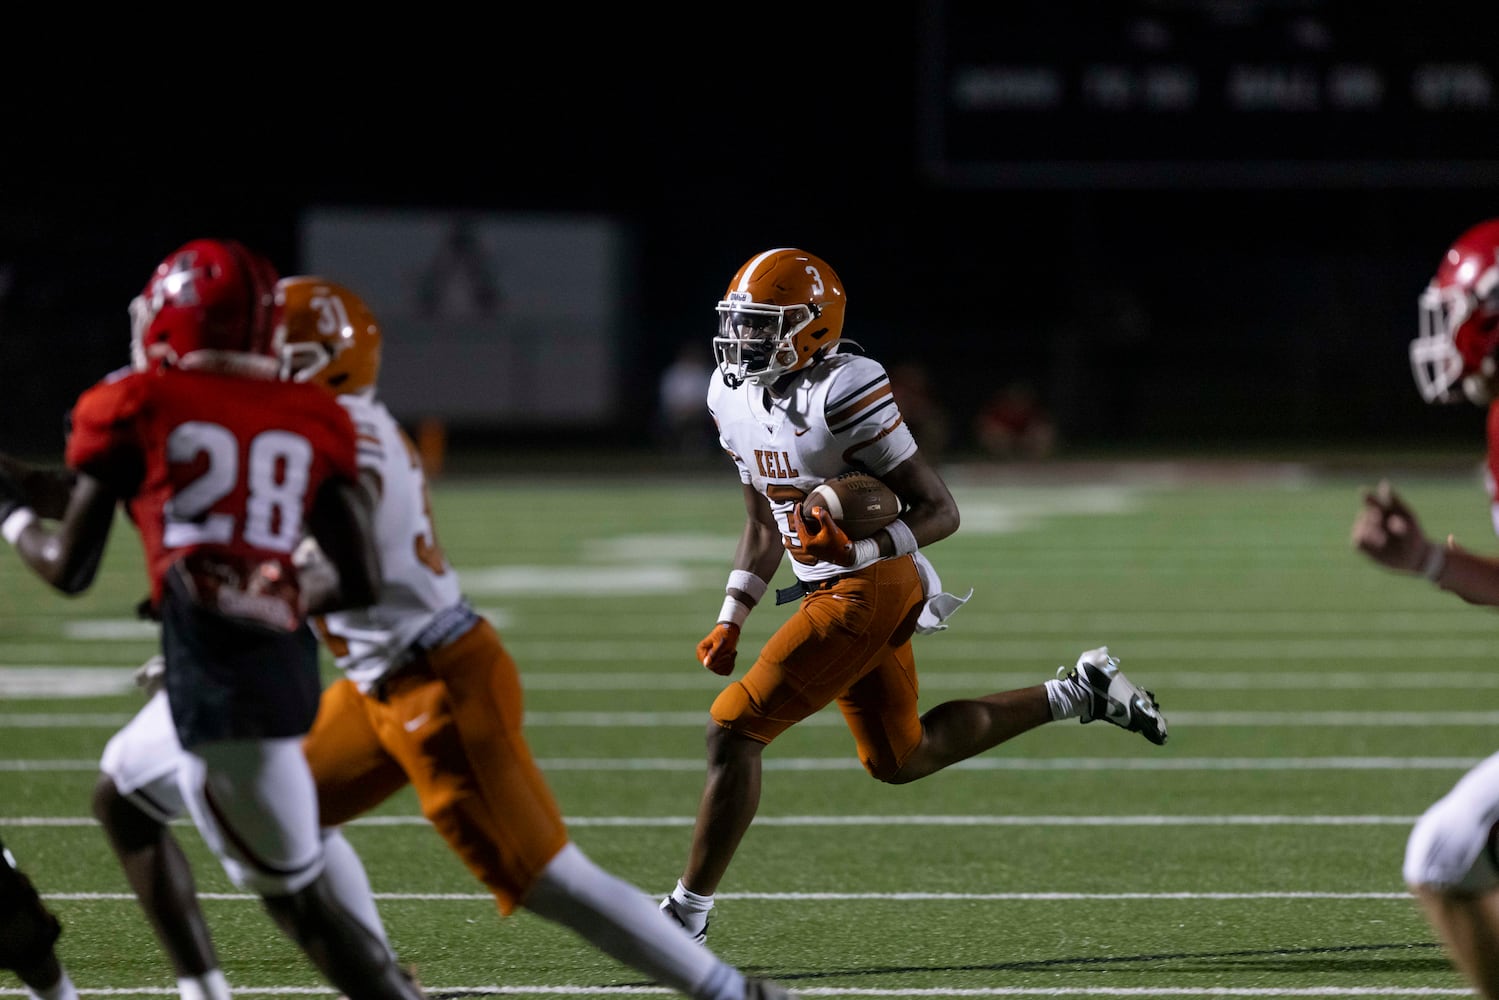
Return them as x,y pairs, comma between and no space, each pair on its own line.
276,475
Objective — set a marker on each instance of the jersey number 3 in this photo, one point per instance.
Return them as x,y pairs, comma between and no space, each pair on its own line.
276,475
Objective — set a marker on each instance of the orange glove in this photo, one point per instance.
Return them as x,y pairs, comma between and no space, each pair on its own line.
820,537
717,651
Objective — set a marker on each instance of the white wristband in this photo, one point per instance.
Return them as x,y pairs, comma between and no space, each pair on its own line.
866,550
751,585
1436,562
18,521
902,537
733,610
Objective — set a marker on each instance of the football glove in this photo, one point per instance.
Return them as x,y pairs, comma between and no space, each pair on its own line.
718,650
820,537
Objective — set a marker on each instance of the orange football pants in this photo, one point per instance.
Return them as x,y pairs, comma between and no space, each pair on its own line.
850,642
450,725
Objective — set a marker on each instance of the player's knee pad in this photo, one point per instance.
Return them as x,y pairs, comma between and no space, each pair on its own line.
1451,849
28,929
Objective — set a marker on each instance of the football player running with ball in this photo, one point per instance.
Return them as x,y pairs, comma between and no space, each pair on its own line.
794,408
429,697
1450,857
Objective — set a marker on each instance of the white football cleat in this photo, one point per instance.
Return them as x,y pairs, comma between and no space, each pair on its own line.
1115,698
680,916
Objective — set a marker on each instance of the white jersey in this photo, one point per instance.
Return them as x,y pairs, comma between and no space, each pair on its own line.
840,415
417,581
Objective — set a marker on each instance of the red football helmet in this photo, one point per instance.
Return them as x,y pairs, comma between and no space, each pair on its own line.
208,304
782,311
1460,320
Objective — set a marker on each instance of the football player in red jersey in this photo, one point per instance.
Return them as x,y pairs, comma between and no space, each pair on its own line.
430,698
794,408
223,469
1452,853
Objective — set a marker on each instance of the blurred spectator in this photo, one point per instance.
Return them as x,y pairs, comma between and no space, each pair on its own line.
683,424
1014,424
927,418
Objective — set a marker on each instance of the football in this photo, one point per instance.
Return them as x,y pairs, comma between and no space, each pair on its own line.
860,503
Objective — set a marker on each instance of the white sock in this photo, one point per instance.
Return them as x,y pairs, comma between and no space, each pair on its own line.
691,901
1067,697
63,989
625,923
350,884
210,986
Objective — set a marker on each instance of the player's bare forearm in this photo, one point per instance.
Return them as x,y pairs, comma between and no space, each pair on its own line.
760,547
67,556
1388,531
1473,577
932,512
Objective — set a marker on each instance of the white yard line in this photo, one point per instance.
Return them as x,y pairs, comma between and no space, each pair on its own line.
994,762
886,821
837,897
842,991
984,763
695,719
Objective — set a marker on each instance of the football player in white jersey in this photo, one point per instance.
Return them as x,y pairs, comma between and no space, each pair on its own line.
794,407
1452,853
429,697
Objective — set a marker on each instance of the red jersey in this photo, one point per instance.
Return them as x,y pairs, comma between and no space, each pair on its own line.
211,461
1491,467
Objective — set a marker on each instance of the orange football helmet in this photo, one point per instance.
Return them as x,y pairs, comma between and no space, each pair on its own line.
329,336
782,312
1459,334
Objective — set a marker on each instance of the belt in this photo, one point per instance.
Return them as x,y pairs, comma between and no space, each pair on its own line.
445,626
801,588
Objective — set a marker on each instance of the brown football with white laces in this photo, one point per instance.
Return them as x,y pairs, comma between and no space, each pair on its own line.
859,503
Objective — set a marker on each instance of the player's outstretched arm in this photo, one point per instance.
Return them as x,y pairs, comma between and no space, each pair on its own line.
66,556
1388,531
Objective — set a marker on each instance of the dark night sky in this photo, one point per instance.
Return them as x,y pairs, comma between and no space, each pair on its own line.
713,140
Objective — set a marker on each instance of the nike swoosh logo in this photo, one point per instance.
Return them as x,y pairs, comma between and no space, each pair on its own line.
803,431
412,725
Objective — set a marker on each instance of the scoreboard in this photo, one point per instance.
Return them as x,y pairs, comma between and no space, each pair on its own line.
1171,94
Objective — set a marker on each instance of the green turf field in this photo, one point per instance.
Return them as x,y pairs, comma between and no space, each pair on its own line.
1317,705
